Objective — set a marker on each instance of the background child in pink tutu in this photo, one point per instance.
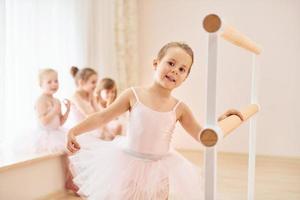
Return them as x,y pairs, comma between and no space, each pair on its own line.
141,165
83,101
50,136
106,93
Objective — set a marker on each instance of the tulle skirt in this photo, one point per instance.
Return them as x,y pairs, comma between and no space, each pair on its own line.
109,171
51,141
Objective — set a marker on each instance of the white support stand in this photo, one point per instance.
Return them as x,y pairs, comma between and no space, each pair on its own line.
210,158
214,25
252,133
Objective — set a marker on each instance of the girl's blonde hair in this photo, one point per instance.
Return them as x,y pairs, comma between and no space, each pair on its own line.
44,72
162,52
82,74
106,83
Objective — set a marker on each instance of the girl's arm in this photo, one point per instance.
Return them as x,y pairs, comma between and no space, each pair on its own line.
95,104
44,114
188,121
190,124
121,105
64,117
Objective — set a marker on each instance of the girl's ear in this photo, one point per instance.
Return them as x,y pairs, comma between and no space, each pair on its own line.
80,82
154,64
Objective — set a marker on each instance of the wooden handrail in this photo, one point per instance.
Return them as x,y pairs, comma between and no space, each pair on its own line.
212,23
209,136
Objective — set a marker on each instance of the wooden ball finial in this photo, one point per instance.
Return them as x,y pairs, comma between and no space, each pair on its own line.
209,137
212,23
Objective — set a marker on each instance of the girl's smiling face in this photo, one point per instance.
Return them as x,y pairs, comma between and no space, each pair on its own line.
108,94
172,69
50,83
90,84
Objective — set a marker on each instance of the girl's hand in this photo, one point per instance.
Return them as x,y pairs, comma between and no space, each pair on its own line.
72,144
229,113
110,99
67,103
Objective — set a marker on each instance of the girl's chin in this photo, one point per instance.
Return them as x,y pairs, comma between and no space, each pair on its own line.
170,83
169,86
49,93
89,91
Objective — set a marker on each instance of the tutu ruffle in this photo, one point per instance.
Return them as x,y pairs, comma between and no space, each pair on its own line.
110,171
51,141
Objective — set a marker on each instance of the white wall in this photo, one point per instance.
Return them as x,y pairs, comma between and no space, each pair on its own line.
273,24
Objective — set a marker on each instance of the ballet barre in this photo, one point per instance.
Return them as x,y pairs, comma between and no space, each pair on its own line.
214,131
210,136
212,23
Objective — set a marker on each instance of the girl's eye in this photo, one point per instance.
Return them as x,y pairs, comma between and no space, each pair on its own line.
56,81
181,69
171,64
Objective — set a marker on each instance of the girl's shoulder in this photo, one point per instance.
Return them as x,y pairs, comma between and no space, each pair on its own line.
56,100
129,96
180,107
135,92
77,97
76,94
42,100
42,103
130,91
137,88
73,98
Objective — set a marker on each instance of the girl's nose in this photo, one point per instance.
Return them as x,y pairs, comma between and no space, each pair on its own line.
174,71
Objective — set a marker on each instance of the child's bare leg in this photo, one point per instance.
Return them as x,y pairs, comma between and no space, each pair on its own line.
70,185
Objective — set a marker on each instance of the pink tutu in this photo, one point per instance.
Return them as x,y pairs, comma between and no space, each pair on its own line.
108,170
50,138
51,141
138,166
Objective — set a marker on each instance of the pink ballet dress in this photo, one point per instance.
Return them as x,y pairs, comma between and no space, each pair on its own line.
74,118
138,166
50,138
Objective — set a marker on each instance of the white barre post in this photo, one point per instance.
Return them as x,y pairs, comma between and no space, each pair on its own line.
252,133
210,157
212,24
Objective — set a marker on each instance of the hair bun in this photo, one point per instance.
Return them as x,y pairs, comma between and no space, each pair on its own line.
74,71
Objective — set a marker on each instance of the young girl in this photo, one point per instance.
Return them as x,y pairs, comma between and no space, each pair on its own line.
142,166
83,102
106,93
50,136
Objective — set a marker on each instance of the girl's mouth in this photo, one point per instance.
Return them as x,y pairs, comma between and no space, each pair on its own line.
170,79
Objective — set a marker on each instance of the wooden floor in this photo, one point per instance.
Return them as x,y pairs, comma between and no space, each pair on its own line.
276,178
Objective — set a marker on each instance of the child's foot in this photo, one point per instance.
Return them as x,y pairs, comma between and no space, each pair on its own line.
71,186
